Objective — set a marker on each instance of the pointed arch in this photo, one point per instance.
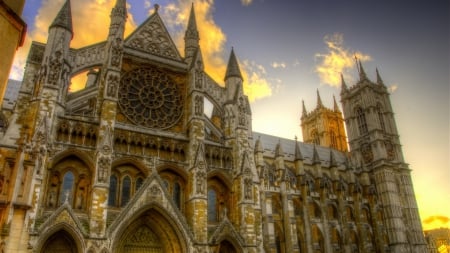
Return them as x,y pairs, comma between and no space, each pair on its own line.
79,154
153,222
51,239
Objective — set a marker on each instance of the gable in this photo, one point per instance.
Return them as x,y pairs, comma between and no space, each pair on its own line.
152,37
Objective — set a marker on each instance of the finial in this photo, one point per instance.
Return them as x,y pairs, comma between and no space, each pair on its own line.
319,100
156,6
304,112
379,80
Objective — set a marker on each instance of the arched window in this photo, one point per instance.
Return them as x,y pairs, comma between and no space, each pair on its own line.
333,139
139,183
361,118
212,206
67,188
112,191
176,194
381,117
126,190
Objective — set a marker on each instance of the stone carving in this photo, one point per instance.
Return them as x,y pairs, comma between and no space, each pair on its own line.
198,106
366,152
116,51
55,66
103,168
149,97
200,179
390,152
154,190
113,83
198,79
242,112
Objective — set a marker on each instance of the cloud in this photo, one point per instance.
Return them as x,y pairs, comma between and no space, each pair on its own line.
392,88
436,219
212,43
90,25
246,2
336,60
147,4
276,65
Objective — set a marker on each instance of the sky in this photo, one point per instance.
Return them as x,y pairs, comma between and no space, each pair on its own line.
289,49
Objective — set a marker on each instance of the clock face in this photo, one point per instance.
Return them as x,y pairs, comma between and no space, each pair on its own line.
149,97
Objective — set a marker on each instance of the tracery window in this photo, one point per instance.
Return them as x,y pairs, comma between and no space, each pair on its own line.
126,191
68,180
174,185
124,182
333,139
112,190
212,206
361,118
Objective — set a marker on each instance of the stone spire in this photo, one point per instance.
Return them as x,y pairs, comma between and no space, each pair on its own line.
258,145
233,69
64,18
379,80
118,19
279,150
304,112
191,37
315,158
319,100
298,153
335,105
362,73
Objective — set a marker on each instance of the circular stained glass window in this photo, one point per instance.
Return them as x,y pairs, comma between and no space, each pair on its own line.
150,98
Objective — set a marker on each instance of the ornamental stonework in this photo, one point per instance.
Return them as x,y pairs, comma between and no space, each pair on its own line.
150,98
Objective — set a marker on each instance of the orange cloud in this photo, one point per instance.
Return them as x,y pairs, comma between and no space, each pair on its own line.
336,60
437,218
212,43
90,25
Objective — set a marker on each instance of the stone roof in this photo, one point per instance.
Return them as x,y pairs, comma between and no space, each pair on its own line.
269,143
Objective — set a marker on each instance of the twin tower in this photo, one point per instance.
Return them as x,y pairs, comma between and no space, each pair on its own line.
131,163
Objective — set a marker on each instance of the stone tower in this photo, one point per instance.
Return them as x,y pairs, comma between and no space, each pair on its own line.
324,126
375,145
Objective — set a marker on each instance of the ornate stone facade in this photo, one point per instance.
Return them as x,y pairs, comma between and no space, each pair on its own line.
131,163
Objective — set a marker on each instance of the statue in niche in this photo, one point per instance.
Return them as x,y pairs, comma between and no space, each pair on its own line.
103,164
242,111
55,66
113,83
52,195
199,182
116,51
81,193
198,106
198,79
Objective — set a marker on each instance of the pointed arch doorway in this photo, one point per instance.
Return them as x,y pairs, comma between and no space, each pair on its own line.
226,247
60,242
151,232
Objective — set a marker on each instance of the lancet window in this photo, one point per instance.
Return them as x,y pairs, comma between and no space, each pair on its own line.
361,118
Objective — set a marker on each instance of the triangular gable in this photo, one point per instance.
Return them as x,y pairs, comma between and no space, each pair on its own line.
152,37
63,215
226,230
152,192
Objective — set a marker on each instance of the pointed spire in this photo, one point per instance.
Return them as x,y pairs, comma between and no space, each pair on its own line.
279,150
64,18
233,67
362,73
319,100
258,145
379,80
316,158
298,152
343,85
191,37
118,19
191,30
336,107
304,112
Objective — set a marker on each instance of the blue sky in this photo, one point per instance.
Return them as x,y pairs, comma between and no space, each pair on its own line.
282,45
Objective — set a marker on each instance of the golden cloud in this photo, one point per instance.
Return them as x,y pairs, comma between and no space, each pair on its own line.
336,60
212,42
90,25
276,65
437,218
246,2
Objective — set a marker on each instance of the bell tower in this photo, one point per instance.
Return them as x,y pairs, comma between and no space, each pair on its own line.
375,144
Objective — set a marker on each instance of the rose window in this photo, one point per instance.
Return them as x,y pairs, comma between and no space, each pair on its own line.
150,98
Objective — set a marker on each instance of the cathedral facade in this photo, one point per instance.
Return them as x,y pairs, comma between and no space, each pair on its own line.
132,163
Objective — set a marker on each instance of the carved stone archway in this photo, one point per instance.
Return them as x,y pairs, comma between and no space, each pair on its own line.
60,242
150,232
226,247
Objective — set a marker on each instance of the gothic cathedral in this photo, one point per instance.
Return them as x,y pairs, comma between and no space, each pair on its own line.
132,163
